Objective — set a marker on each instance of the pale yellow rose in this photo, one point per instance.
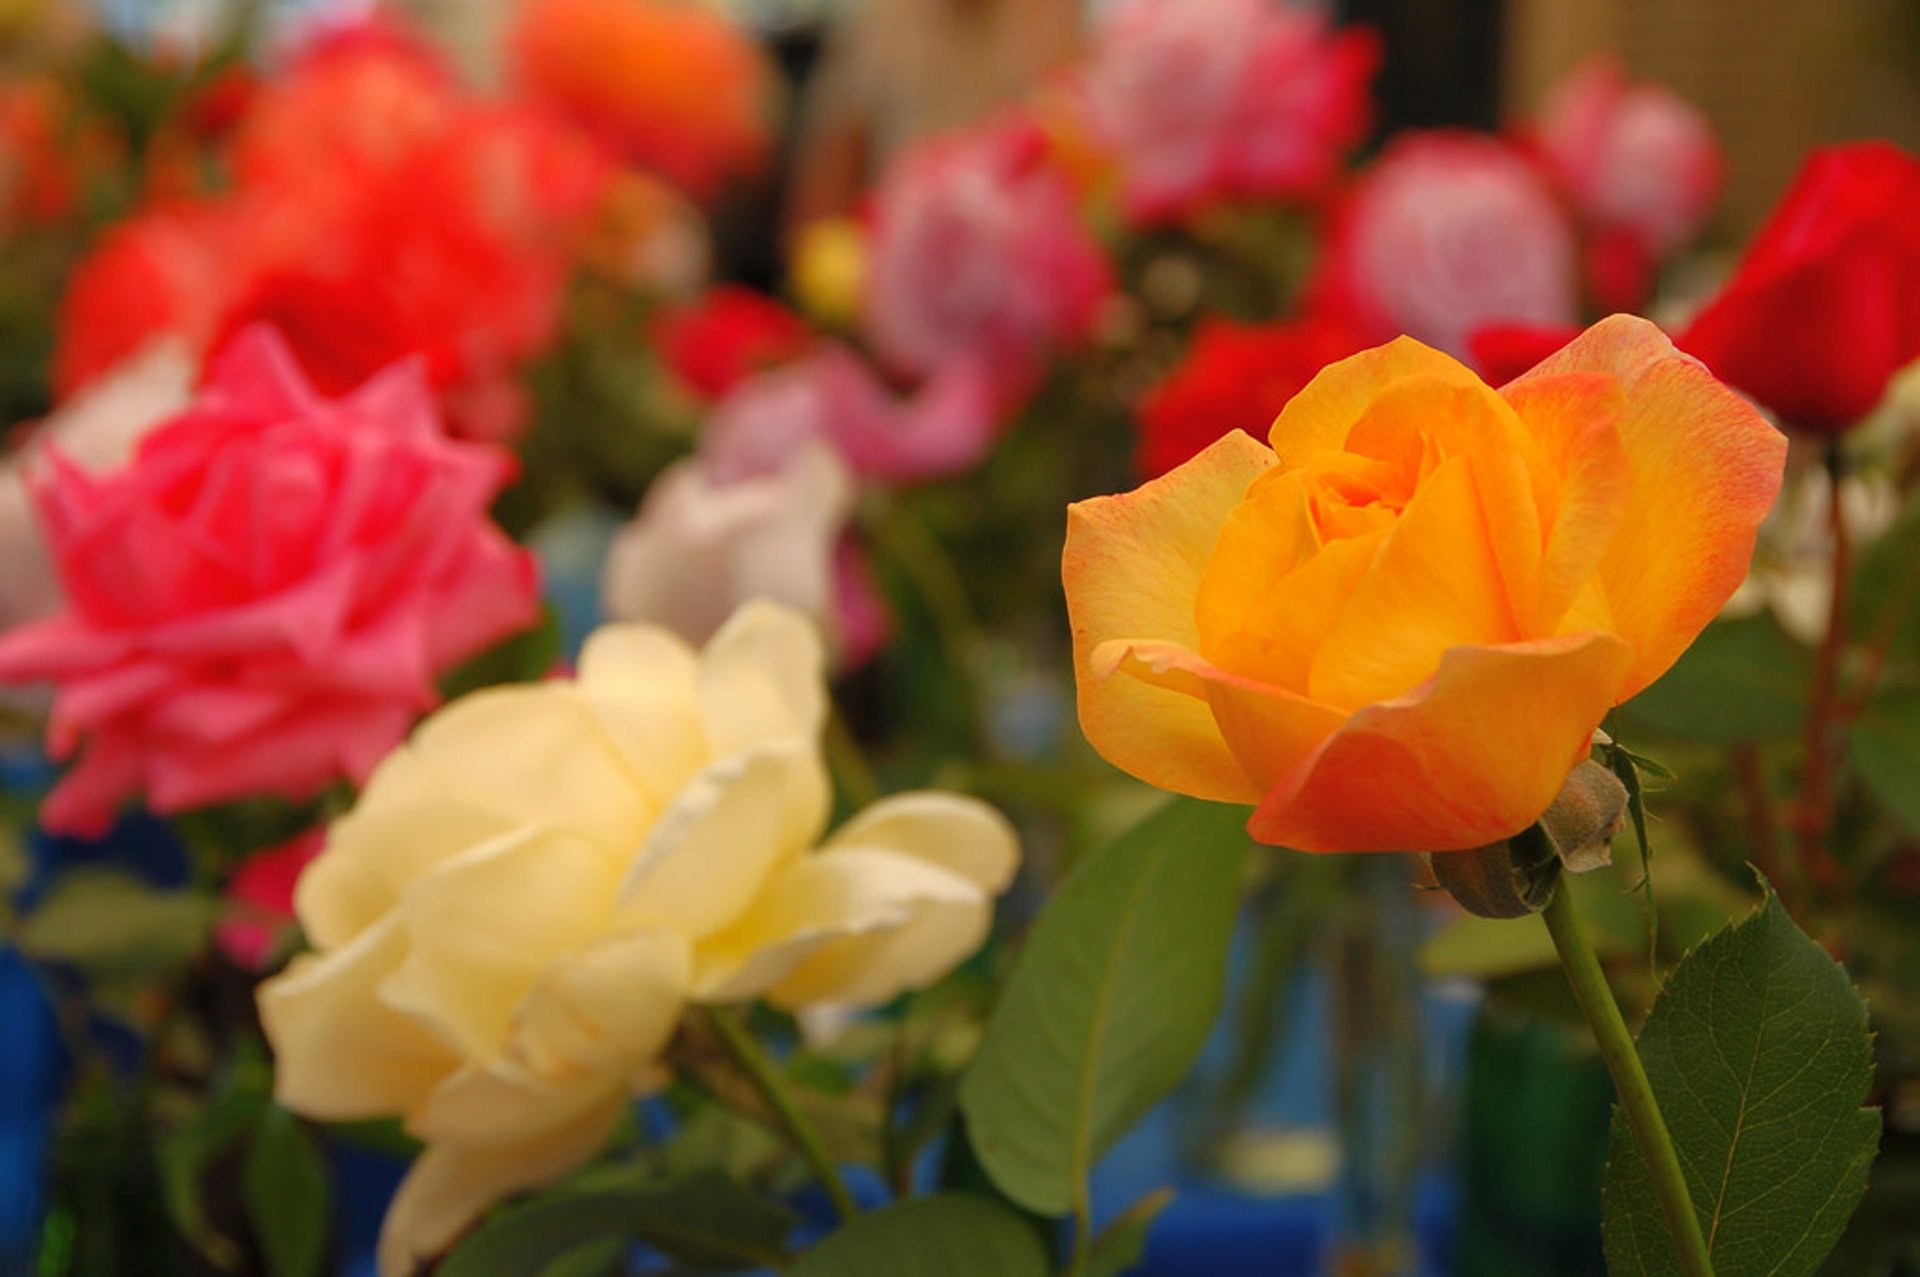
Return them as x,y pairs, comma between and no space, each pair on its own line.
512,919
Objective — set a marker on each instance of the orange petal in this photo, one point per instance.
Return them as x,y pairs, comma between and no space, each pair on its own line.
1435,585
1270,592
1131,570
1472,757
1424,421
1574,417
1319,417
1269,730
1706,468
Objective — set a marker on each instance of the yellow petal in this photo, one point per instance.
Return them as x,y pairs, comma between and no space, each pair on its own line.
1706,469
340,1053
642,683
452,1185
1472,757
1268,729
960,834
483,928
851,927
374,852
1435,585
596,1020
733,827
763,679
531,754
1318,418
1132,569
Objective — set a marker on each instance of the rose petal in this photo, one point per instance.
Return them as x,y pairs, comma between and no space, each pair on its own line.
1706,469
1132,570
319,1003
452,1185
731,828
595,1020
1472,757
469,961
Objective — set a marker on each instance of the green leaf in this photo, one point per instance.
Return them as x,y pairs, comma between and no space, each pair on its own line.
289,1195
183,1157
1123,1243
1109,1003
1740,681
1885,750
1759,1055
595,1259
706,1219
948,1235
111,924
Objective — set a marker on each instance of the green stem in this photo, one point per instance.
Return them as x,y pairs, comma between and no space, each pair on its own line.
772,1089
1629,1080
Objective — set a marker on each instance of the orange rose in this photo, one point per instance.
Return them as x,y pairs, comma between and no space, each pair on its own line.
1397,628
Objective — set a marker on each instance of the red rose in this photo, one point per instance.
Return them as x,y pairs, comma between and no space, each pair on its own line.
727,336
261,600
1502,352
1235,377
1825,307
375,215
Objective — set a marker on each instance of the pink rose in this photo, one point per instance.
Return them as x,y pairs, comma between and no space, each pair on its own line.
1633,157
1203,100
97,427
260,601
943,429
1450,233
978,252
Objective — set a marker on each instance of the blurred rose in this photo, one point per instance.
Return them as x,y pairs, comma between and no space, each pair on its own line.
511,920
98,429
1208,100
349,108
1502,352
725,337
943,429
166,272
1448,233
1640,164
1397,628
1636,156
672,85
1234,377
829,270
49,151
260,601
374,216
977,252
702,545
260,901
1825,306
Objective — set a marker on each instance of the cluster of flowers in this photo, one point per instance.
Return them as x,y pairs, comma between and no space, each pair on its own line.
978,263
256,531
262,516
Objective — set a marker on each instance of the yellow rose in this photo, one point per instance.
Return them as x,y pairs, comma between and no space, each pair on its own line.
511,920
1396,625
